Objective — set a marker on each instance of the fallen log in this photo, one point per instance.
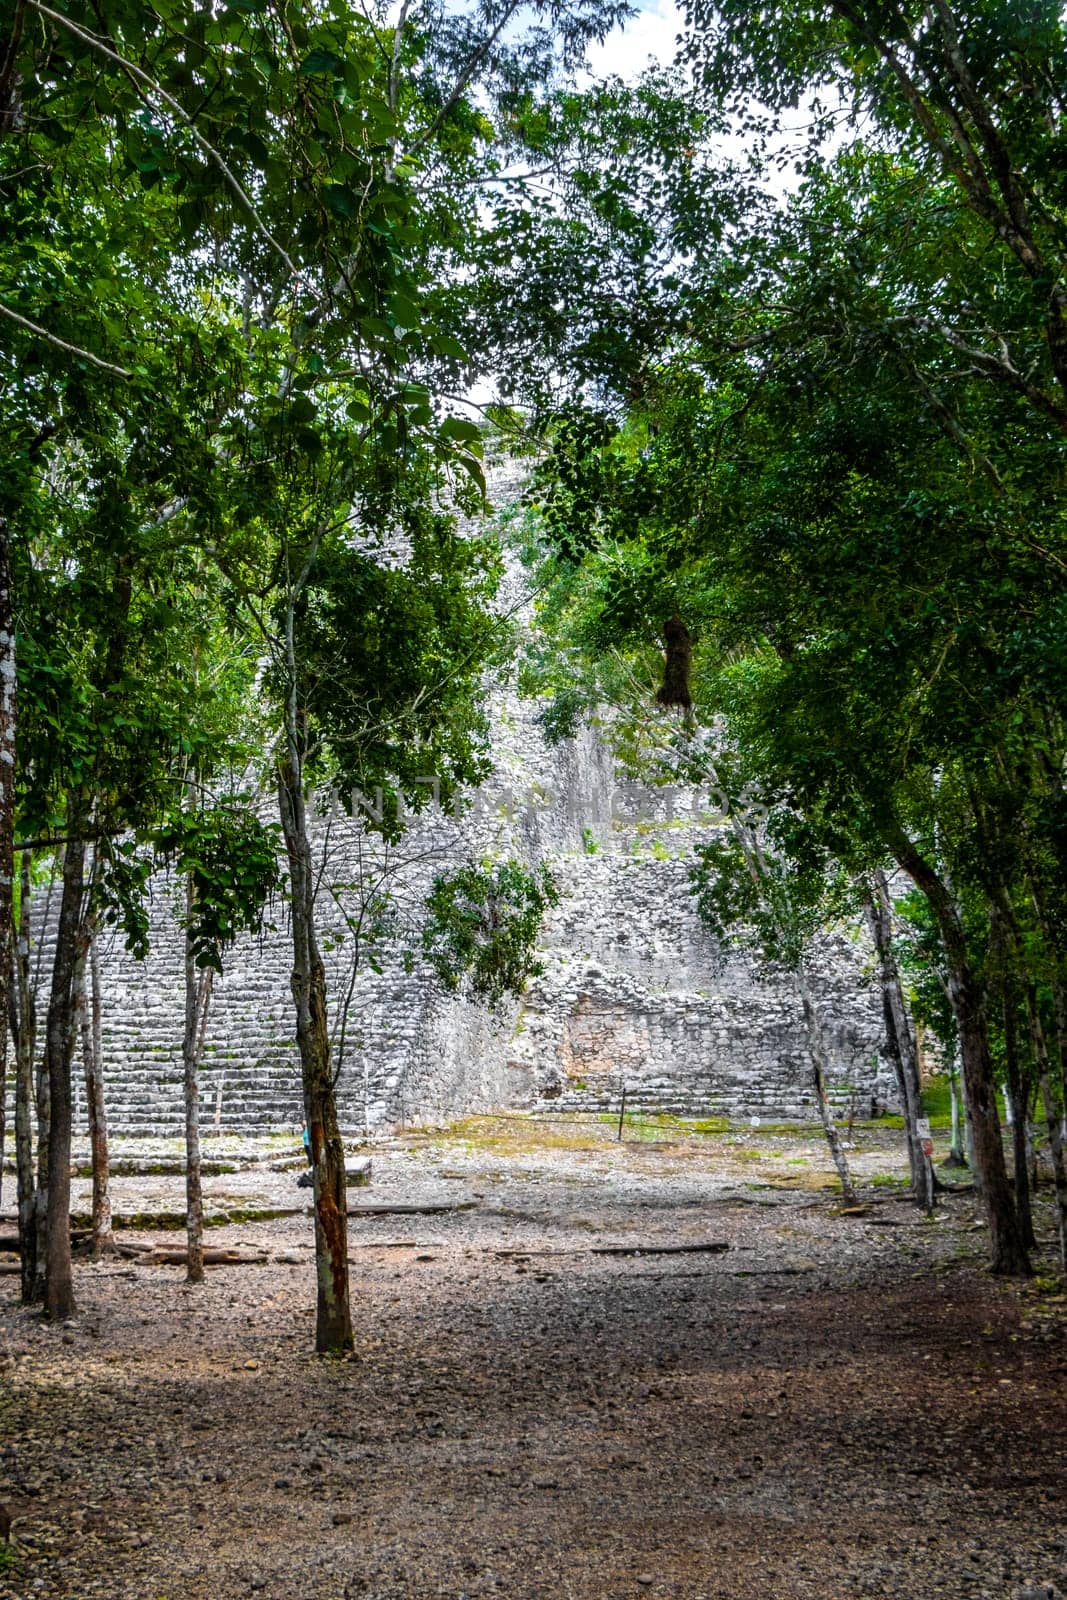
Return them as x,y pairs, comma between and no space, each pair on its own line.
412,1210
212,1258
711,1247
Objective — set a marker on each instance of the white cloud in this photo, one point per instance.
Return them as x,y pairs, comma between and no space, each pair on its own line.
651,34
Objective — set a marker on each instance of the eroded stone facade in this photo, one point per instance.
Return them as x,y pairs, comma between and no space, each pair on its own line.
633,993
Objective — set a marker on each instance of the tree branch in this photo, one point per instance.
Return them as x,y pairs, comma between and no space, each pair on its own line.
62,344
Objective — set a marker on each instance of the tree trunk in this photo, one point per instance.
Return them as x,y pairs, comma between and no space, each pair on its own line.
955,1155
900,1037
1052,1115
1019,1100
197,1004
968,1133
7,812
1007,1249
40,1197
88,1007
333,1326
59,1046
819,1067
25,1012
43,1107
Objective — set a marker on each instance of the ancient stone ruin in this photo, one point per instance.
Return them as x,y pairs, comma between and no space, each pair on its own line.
634,993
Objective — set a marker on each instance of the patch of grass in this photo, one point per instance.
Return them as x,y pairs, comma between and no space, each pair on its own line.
660,1123
937,1101
816,1182
888,1180
517,1135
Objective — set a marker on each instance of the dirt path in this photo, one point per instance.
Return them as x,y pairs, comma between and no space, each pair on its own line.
833,1407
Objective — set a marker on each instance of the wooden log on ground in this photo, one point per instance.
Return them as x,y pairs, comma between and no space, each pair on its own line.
412,1211
212,1258
710,1247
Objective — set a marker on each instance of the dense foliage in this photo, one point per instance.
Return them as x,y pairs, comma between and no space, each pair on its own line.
482,927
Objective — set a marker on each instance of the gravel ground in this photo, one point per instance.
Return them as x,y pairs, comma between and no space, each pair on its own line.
834,1406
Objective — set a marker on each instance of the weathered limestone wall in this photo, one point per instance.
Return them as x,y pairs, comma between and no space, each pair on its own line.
633,991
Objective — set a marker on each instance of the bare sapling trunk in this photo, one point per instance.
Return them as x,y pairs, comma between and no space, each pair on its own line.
42,1102
59,1049
956,1156
1019,1100
820,1063
900,1037
968,1133
1052,1115
25,1017
88,1008
1008,1249
8,723
103,1238
40,1196
333,1325
198,984
1008,1253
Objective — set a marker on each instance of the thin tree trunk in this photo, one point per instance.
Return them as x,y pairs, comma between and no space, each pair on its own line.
25,1050
88,1007
1019,1100
8,724
1003,939
197,1005
955,1154
819,1068
333,1326
40,1197
42,1105
900,1037
968,1132
1007,1249
59,1045
1052,1115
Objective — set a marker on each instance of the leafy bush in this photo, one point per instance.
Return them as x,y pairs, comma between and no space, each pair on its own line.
483,926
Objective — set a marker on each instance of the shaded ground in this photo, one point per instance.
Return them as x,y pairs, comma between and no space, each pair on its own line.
834,1407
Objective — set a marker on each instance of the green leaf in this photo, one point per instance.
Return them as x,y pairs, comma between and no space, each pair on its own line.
320,62
340,199
461,429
